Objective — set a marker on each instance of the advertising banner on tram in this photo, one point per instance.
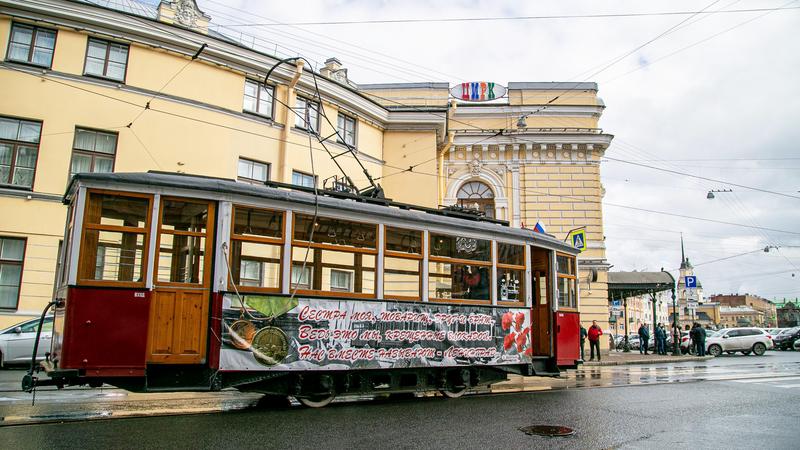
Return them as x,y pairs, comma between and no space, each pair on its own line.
281,333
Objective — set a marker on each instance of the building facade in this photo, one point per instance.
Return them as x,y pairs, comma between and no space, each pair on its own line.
789,314
768,316
131,87
740,316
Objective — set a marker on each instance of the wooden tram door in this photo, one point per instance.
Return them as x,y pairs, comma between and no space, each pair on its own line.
179,311
541,312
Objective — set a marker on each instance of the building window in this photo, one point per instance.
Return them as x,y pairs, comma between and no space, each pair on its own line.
19,148
253,172
12,253
303,179
32,45
347,130
106,59
341,280
478,196
301,277
307,117
258,98
93,151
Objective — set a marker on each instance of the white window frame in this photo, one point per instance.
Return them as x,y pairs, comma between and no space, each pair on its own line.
349,276
342,128
249,179
261,88
303,118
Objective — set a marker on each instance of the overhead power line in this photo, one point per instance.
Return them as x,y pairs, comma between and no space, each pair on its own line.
767,191
516,18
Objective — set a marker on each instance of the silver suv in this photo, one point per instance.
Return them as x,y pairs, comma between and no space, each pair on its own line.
745,340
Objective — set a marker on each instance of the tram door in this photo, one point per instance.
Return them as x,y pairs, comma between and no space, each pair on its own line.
541,313
180,307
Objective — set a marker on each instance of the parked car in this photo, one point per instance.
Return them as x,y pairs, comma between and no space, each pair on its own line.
16,342
787,338
745,340
797,345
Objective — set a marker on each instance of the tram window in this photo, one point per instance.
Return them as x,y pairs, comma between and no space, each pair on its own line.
328,230
256,248
325,271
567,281
458,281
402,264
511,283
114,238
184,216
180,258
460,247
401,277
183,241
403,241
510,254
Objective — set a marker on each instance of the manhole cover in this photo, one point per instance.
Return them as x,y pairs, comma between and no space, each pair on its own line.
547,430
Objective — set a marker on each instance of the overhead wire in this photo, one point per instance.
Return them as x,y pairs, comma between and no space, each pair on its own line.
515,18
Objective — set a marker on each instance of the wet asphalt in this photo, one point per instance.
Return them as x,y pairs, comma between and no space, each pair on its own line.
727,402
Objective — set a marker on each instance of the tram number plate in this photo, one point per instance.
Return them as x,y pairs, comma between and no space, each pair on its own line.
138,294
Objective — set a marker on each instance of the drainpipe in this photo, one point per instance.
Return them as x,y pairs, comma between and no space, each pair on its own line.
442,150
286,119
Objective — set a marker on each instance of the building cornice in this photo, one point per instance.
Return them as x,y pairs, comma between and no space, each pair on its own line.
504,111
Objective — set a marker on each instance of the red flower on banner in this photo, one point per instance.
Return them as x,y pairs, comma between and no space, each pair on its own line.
529,351
519,319
508,341
521,339
506,320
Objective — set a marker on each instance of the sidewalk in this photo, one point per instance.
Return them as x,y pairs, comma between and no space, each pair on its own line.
619,358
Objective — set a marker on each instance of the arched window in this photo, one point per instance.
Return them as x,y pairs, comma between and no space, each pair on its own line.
476,195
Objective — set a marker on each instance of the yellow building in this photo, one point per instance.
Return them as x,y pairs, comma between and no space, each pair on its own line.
131,87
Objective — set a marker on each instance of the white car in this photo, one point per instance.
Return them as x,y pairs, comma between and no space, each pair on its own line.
16,342
745,340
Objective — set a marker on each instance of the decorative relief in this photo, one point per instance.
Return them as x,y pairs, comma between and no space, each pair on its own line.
500,170
451,171
475,167
186,12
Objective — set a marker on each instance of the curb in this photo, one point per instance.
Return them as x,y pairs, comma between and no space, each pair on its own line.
647,361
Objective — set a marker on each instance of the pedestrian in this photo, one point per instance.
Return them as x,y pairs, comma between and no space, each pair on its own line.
583,341
701,351
594,334
694,334
659,335
644,338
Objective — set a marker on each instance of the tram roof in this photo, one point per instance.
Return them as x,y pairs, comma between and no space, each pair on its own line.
419,215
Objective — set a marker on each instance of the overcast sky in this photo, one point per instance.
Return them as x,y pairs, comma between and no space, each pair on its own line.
700,100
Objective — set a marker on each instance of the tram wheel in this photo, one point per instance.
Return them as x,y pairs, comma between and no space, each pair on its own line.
454,392
317,401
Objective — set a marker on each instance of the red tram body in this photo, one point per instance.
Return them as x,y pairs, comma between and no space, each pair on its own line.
178,282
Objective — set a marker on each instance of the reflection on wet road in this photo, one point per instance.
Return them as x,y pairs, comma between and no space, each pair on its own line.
76,404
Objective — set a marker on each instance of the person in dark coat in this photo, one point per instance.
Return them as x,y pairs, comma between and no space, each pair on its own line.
583,341
660,339
701,335
644,338
698,339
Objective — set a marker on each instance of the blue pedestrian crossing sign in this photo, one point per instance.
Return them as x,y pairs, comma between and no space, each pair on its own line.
691,281
578,238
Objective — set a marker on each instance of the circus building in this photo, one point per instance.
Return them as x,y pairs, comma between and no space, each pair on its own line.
123,86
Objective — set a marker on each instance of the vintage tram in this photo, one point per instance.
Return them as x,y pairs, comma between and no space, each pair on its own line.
170,282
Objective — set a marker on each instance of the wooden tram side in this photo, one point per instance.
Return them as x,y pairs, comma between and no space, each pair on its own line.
155,264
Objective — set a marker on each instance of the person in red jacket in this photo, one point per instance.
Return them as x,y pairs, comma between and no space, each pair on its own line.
594,340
